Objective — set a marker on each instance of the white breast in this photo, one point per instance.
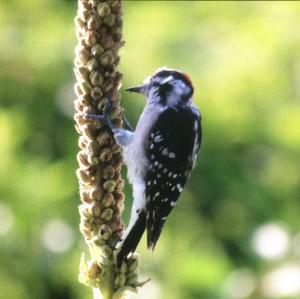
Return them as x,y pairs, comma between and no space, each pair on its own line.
134,154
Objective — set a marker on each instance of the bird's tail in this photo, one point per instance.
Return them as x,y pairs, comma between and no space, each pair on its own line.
153,233
132,239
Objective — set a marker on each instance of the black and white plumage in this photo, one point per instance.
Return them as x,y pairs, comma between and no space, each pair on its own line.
160,154
172,151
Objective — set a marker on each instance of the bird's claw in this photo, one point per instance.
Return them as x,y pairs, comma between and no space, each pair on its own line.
104,118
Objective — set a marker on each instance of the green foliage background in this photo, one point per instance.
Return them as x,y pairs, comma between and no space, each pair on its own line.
244,59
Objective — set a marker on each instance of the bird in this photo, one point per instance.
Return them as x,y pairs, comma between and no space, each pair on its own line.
159,154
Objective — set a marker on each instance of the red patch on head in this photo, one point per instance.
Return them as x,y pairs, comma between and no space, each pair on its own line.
187,78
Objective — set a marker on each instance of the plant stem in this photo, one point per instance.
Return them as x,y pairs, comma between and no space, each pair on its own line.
99,33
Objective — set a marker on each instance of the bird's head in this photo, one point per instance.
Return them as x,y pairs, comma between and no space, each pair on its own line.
167,87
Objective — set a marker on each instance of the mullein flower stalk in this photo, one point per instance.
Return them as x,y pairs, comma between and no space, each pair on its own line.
99,33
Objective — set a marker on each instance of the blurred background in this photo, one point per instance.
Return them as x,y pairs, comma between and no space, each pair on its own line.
235,234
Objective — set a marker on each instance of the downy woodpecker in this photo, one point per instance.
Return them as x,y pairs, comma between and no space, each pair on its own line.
159,154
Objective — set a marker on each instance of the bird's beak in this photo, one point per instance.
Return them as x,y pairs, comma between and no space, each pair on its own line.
137,89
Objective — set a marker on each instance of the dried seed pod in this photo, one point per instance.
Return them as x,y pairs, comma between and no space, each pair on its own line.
83,14
97,50
80,24
85,87
107,214
113,240
90,38
109,20
88,131
104,139
82,142
108,172
133,264
107,58
106,250
96,210
85,211
120,280
83,176
96,93
93,22
115,112
96,78
132,279
93,160
119,196
96,194
120,185
78,90
78,117
123,268
118,166
105,155
94,270
93,147
82,160
84,55
78,105
103,9
120,205
105,231
107,200
86,231
116,148
85,197
92,64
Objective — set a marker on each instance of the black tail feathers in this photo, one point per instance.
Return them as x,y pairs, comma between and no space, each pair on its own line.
133,238
153,233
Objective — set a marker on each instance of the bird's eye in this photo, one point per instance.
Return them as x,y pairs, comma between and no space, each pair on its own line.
165,88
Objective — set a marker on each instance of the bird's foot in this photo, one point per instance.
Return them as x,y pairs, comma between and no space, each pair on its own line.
103,118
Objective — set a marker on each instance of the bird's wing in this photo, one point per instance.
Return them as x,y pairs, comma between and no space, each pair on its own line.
174,142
